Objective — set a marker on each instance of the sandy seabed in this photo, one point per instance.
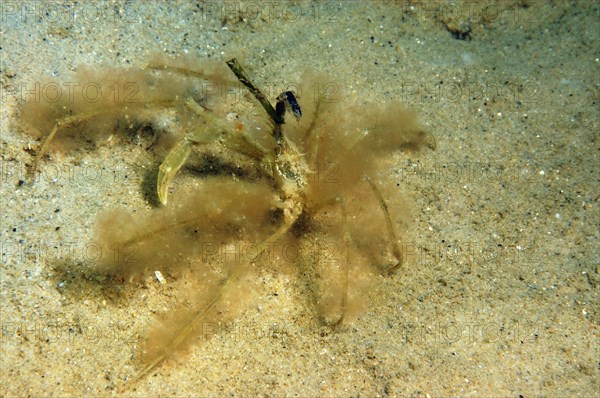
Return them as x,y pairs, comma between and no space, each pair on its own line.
499,296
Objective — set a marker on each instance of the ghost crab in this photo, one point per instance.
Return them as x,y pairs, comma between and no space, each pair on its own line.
289,166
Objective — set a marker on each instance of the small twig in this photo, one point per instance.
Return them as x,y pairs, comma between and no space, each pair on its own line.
242,76
284,101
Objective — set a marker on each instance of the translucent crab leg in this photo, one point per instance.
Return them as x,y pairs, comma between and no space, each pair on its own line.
315,137
384,207
185,332
346,265
65,121
222,133
72,119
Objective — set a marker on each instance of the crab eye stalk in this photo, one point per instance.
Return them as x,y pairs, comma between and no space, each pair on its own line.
287,101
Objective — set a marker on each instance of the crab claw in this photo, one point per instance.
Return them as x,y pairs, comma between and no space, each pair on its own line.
169,168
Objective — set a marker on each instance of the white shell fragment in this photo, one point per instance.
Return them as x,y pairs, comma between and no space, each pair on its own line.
160,277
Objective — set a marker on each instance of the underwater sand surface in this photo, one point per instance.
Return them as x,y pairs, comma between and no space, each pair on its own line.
499,294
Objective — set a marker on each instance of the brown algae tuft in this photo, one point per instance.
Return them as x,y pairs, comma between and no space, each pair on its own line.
308,178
